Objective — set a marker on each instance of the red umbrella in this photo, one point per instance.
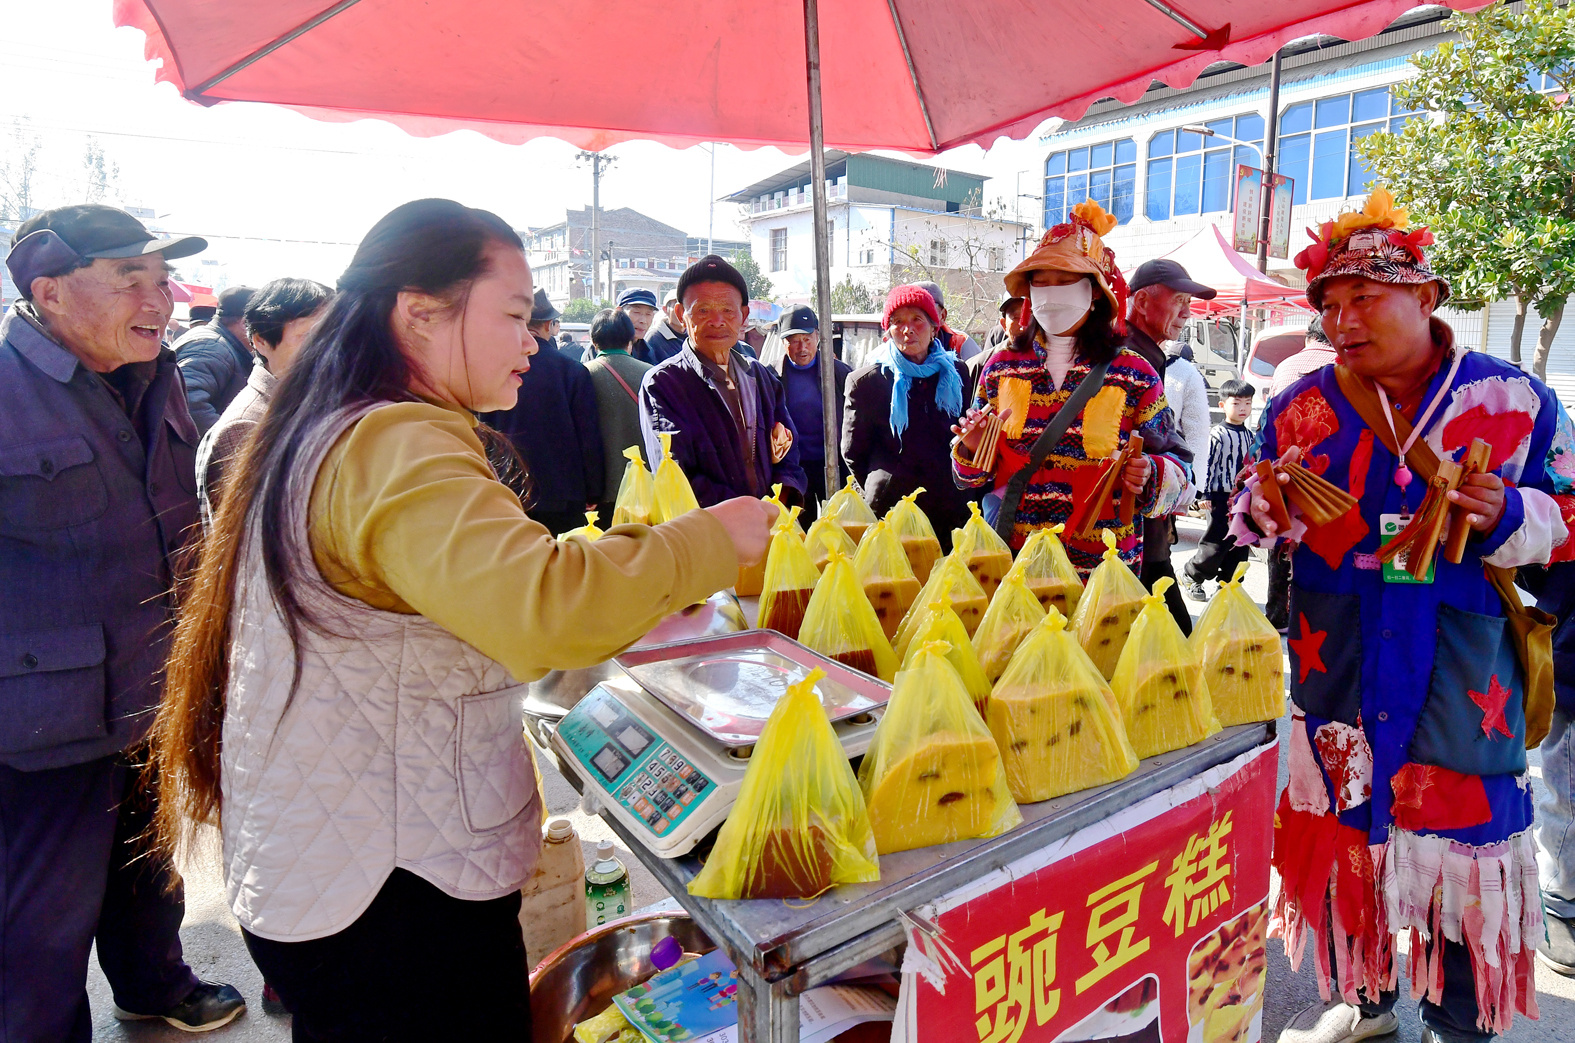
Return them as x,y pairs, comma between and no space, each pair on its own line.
917,75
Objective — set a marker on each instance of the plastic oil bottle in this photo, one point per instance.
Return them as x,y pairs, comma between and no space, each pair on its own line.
606,888
549,910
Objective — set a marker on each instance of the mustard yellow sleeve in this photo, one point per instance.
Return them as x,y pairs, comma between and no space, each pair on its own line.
406,516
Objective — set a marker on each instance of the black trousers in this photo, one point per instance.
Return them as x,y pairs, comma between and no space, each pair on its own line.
418,965
815,471
1278,605
70,876
1454,1020
1218,554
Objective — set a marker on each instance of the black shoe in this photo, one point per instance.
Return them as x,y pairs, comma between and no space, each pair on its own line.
1191,587
209,1006
1557,950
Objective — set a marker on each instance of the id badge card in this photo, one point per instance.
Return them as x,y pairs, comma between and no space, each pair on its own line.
1390,526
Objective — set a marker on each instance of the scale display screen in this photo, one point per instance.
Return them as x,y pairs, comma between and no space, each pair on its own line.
637,769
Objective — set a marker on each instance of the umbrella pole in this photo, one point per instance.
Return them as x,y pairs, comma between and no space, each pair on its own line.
817,167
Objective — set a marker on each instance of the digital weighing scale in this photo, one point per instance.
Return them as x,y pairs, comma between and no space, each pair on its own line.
664,748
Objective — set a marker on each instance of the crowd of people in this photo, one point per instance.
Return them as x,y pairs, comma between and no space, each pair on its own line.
263,577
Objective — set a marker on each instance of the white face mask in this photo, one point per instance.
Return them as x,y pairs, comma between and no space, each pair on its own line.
1058,308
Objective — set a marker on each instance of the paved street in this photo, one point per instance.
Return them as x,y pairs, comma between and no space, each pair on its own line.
215,949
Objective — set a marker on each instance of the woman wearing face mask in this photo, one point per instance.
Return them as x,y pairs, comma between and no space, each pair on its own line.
899,411
343,693
1074,296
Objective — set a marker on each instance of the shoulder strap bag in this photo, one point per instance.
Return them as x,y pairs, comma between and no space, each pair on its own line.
1012,498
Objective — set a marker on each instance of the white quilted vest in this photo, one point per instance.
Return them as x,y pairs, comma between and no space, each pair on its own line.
403,746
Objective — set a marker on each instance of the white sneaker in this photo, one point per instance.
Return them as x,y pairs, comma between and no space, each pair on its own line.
1336,1022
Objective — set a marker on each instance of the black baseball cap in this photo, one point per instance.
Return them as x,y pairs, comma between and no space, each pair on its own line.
233,301
798,319
1009,304
637,296
1171,275
712,268
70,237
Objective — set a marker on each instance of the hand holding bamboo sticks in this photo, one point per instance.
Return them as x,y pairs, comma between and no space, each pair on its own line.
1086,514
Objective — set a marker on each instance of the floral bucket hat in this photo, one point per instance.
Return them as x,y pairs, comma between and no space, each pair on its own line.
1373,243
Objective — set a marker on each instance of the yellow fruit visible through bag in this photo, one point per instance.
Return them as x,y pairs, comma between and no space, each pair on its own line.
951,581
848,509
636,503
1241,655
988,556
884,573
940,623
1044,566
913,528
1012,616
1109,606
1165,702
751,578
674,495
799,825
932,774
789,580
825,536
840,623
589,530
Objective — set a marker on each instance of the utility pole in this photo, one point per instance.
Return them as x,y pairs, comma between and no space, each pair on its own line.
610,248
1272,143
598,163
710,225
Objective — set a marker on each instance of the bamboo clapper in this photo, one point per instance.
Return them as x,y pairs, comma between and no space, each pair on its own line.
1269,490
1319,500
1474,462
1081,522
990,444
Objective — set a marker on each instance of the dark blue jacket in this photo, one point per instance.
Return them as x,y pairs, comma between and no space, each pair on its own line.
678,396
94,509
555,427
215,365
841,370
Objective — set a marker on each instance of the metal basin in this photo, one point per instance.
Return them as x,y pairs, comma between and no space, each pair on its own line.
579,980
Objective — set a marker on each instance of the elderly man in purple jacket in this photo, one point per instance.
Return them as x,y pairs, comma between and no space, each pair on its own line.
98,495
727,413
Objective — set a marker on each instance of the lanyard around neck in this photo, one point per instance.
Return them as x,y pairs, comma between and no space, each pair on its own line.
1402,472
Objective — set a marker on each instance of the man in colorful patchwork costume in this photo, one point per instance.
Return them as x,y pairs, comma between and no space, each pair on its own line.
1408,809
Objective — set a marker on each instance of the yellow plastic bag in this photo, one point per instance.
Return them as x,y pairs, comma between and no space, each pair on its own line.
589,530
798,826
789,581
751,578
1013,614
1241,656
932,774
883,571
1105,612
825,536
913,528
988,555
951,581
674,496
636,503
840,623
1055,719
940,623
848,509
1159,683
1045,567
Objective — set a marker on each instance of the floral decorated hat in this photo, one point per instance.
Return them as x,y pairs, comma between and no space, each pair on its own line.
1074,246
1372,243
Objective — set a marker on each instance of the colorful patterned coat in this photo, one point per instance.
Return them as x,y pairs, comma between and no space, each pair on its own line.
1132,399
1407,752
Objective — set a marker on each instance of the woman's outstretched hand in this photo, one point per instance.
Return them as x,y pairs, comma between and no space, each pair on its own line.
748,523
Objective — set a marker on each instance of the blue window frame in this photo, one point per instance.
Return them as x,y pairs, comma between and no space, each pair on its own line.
1318,141
1189,173
1105,173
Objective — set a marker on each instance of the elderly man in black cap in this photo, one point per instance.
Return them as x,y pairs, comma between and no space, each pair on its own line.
666,336
215,359
98,498
640,306
556,428
799,369
727,414
1161,303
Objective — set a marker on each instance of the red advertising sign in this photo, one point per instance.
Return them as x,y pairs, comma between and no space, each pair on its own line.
1148,927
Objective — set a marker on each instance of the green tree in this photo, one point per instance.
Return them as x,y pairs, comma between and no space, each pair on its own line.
101,174
854,298
583,309
759,282
1488,165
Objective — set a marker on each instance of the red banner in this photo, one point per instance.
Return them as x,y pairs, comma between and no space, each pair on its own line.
1144,928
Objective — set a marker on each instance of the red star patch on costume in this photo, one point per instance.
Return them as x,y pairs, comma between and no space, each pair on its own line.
1309,650
1492,704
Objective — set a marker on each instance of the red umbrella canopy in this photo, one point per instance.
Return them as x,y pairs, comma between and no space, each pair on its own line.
918,75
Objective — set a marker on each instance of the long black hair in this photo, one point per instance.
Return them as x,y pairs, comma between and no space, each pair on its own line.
1097,339
280,303
351,358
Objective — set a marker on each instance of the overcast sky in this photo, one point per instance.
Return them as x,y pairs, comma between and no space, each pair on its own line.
278,193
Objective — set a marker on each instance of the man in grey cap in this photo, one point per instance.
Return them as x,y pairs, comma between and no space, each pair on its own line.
960,344
640,306
799,370
214,358
666,336
1162,294
97,501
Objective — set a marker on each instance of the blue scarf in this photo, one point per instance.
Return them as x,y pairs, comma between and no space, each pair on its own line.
904,371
